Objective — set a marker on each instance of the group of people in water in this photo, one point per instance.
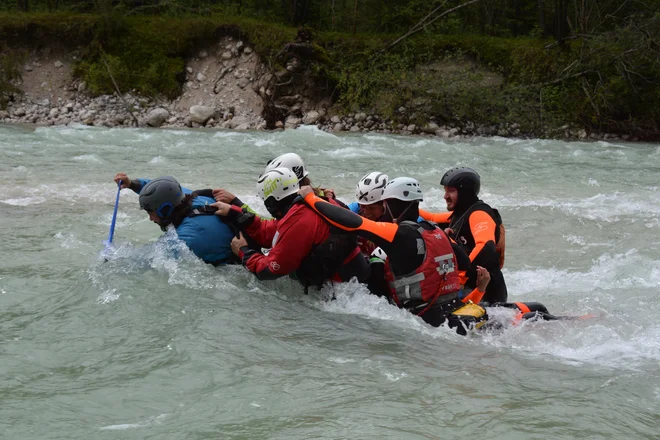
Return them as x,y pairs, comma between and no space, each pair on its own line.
443,267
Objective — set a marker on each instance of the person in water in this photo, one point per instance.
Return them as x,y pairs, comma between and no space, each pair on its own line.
369,193
422,267
167,203
302,243
474,225
295,163
291,161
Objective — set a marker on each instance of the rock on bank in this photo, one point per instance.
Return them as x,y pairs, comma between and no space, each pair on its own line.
227,86
221,90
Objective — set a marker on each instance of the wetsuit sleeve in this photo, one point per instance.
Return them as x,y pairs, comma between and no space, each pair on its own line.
380,233
138,184
238,202
475,296
399,243
482,227
294,243
436,217
206,192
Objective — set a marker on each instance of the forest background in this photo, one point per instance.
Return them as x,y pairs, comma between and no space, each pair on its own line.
542,65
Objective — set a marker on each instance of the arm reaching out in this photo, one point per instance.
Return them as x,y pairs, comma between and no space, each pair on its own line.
483,278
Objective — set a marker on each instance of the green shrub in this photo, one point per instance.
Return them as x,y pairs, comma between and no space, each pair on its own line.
10,72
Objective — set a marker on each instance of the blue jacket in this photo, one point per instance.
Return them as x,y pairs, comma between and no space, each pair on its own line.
206,235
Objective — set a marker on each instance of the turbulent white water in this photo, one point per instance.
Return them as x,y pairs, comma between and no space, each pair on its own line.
147,346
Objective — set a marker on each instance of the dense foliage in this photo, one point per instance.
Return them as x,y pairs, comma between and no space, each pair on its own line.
538,63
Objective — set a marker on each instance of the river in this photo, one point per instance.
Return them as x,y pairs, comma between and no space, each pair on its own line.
145,346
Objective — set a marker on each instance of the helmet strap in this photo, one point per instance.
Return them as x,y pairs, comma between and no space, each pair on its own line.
165,210
389,211
279,208
398,218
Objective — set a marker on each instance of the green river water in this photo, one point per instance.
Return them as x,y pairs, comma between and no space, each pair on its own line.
146,346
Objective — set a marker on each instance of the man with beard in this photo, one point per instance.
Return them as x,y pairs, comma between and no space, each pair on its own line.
474,225
422,270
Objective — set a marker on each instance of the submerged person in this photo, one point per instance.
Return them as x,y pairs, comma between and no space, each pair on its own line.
474,225
368,193
168,203
295,163
302,243
291,161
423,274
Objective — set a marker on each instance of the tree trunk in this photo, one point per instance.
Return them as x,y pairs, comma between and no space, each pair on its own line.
561,29
354,16
332,10
541,6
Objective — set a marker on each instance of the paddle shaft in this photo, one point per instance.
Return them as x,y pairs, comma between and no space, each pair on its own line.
114,215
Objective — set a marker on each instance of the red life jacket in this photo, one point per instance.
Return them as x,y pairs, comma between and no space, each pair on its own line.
435,277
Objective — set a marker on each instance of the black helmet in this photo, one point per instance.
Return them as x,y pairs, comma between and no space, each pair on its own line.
161,195
464,179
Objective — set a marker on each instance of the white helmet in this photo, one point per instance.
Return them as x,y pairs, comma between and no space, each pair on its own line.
379,253
403,188
291,161
370,188
278,183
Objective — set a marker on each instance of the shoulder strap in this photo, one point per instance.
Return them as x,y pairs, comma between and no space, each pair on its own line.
207,192
202,210
457,223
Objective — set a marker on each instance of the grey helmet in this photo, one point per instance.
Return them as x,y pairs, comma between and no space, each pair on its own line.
464,179
161,195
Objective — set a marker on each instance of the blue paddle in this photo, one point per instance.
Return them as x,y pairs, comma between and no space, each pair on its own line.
108,243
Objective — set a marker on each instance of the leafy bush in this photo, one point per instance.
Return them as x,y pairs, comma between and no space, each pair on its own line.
10,73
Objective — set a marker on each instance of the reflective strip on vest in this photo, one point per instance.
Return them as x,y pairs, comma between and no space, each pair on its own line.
409,288
421,247
445,263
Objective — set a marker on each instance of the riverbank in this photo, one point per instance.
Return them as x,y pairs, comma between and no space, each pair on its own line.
252,76
223,89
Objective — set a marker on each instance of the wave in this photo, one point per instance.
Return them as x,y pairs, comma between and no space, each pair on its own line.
24,201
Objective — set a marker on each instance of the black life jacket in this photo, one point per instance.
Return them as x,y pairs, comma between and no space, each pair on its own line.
327,258
463,234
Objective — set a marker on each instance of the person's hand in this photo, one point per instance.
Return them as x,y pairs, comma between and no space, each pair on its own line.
305,190
125,181
222,208
483,278
222,195
237,243
329,193
449,232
